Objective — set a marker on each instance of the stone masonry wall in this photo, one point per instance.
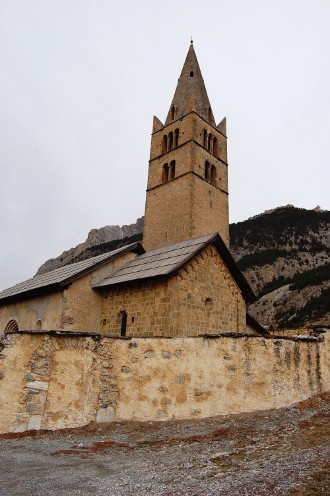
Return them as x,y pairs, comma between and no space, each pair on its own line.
146,305
202,298
52,381
188,205
205,298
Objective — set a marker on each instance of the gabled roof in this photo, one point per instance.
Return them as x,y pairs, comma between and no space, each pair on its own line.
252,322
167,261
58,279
190,94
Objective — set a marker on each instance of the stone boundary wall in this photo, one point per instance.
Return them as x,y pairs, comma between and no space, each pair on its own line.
58,379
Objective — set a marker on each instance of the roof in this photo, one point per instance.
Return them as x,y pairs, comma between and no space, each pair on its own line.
57,279
252,322
190,93
167,261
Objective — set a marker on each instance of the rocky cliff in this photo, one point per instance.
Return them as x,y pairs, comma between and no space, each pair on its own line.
284,254
98,241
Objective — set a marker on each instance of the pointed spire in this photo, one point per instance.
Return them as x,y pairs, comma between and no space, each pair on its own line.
190,93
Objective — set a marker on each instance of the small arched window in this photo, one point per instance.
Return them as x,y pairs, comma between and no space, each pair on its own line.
191,73
170,138
164,144
176,138
213,174
172,169
165,173
39,325
207,171
215,147
123,323
12,326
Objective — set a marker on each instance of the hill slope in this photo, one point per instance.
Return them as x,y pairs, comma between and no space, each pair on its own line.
285,256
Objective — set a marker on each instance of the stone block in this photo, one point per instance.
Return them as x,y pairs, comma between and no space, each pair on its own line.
37,385
34,422
106,414
30,377
149,354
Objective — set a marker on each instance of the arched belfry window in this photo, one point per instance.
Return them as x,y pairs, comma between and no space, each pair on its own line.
215,147
172,169
210,143
205,138
164,144
172,112
213,174
207,171
123,323
12,326
170,139
176,138
165,173
191,73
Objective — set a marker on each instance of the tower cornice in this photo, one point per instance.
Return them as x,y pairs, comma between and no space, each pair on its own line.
214,157
182,117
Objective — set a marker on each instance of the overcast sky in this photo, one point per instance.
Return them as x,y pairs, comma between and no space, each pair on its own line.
80,83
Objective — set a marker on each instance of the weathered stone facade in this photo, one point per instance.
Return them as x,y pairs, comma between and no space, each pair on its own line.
75,308
203,297
56,381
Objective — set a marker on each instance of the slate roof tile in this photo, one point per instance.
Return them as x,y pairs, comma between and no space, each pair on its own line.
61,276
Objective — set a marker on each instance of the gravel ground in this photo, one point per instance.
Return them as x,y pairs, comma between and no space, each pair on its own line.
273,452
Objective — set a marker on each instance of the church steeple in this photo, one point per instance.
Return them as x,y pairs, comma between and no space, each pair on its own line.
190,94
187,192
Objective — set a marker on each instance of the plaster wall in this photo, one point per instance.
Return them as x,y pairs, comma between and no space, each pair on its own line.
65,381
81,306
75,308
47,309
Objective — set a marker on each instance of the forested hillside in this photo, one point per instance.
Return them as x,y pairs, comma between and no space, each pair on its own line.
285,256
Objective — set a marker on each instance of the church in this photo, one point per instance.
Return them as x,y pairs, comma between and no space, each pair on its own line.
156,330
182,280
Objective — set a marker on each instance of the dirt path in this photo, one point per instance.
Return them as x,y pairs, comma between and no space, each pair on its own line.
275,452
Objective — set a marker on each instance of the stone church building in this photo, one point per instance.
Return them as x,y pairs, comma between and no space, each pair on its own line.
182,279
155,330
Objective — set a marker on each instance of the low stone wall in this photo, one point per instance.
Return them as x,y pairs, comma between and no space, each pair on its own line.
53,380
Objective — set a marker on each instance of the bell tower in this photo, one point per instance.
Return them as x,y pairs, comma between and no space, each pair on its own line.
187,192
